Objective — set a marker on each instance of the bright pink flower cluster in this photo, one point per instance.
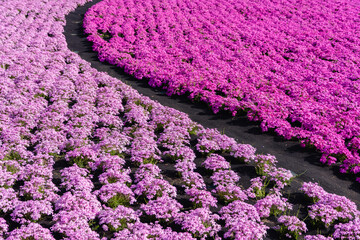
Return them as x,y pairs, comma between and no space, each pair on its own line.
272,204
242,221
329,208
350,230
317,237
291,226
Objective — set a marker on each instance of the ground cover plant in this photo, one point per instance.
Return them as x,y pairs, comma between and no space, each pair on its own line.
291,65
84,156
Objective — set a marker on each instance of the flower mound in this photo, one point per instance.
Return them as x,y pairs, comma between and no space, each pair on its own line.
292,65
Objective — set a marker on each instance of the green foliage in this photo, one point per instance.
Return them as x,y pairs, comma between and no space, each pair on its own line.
151,160
274,211
93,225
159,128
119,199
193,130
115,152
112,179
284,231
123,225
81,161
28,238
12,169
5,66
13,155
261,192
146,107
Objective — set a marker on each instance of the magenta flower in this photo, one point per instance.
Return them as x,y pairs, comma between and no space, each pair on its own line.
350,230
163,208
83,203
115,194
242,221
200,222
8,199
216,162
317,237
272,204
38,188
73,225
291,226
201,198
31,231
313,190
331,208
118,218
152,188
31,211
3,227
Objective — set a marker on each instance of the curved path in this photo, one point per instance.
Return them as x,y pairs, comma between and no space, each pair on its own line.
289,153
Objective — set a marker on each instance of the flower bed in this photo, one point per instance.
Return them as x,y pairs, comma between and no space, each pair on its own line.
83,155
293,66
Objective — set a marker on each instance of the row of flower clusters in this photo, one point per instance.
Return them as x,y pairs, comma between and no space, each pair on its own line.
293,66
57,112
